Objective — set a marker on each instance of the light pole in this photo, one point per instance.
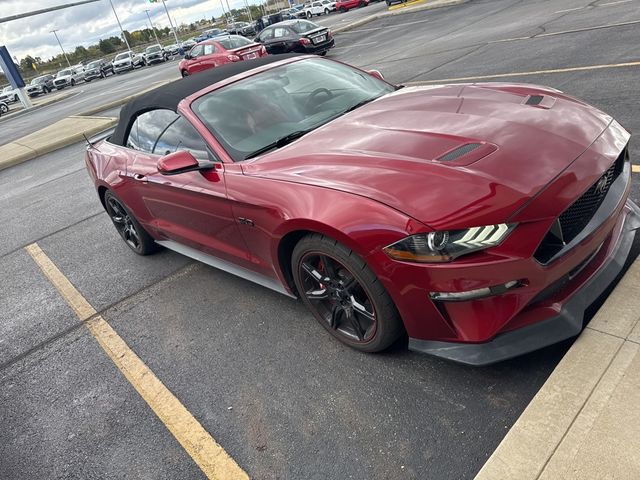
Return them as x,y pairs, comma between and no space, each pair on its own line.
152,27
120,25
171,23
63,52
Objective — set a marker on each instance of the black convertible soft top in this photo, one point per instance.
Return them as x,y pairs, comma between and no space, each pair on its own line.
170,95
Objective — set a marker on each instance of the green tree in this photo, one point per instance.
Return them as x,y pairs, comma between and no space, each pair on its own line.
26,64
106,46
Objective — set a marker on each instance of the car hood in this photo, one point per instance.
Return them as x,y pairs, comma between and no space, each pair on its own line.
63,77
124,60
480,150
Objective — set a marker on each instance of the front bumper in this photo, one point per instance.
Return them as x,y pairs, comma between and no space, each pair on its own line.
152,60
123,68
566,324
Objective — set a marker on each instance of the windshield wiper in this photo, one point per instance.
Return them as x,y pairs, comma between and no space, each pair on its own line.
281,142
359,104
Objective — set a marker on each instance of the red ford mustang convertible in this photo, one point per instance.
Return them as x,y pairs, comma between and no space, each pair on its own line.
481,220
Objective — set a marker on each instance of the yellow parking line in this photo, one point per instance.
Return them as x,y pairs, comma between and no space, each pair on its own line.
203,449
635,168
535,72
403,5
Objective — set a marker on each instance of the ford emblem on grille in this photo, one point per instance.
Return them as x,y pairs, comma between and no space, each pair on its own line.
601,186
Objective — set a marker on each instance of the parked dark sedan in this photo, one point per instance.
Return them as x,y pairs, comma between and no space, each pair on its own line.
296,36
97,69
40,85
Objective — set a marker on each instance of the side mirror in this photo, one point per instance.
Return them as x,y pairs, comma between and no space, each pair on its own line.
178,162
187,56
376,74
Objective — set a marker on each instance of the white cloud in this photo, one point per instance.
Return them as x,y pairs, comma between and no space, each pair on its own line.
86,24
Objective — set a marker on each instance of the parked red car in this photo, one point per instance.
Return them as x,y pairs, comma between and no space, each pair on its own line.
479,219
219,51
345,5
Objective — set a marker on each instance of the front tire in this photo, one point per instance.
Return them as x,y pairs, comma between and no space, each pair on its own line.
343,9
185,73
344,295
133,234
4,108
73,82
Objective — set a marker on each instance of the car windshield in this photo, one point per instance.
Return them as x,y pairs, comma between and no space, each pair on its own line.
264,111
234,41
122,56
93,65
64,73
7,89
38,80
153,49
303,26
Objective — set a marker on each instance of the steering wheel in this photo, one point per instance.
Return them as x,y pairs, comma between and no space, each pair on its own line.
312,96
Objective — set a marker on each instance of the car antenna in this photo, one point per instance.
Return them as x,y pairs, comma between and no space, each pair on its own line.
88,141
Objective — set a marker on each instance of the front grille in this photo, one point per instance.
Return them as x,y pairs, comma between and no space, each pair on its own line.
575,218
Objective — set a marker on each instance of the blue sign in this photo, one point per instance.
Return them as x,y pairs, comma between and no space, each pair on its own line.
10,69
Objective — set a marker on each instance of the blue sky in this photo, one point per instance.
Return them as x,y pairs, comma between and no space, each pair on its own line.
85,24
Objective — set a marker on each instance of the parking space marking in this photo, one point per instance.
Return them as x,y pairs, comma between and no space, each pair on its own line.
524,74
355,45
635,168
610,4
212,459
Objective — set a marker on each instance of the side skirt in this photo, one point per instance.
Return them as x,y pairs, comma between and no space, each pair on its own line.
226,266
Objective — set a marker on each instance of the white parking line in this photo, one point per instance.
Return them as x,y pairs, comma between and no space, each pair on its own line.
387,27
610,4
355,45
570,10
564,32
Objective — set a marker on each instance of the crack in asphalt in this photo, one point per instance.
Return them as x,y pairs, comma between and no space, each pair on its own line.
115,306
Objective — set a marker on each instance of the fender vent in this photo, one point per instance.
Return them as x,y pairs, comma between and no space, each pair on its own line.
458,152
534,100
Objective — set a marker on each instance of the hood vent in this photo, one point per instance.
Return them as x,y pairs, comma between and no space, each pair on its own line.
458,152
534,100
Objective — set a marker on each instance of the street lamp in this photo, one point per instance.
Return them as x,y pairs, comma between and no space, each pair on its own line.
63,52
152,27
120,25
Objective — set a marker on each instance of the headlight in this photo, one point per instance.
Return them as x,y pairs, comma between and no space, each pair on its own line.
444,246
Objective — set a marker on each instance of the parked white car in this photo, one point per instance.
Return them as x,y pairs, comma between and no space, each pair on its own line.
330,5
127,61
68,78
9,94
314,8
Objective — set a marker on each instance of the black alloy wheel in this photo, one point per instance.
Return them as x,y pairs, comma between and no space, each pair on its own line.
3,108
344,294
128,227
185,73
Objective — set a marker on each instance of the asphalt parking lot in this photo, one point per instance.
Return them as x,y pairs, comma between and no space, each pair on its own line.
260,375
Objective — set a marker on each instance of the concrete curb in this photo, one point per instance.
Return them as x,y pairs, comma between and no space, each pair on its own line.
583,422
393,13
61,134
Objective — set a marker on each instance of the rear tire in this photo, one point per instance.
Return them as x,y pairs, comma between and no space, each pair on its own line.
133,234
309,14
73,82
326,11
343,10
3,108
344,295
